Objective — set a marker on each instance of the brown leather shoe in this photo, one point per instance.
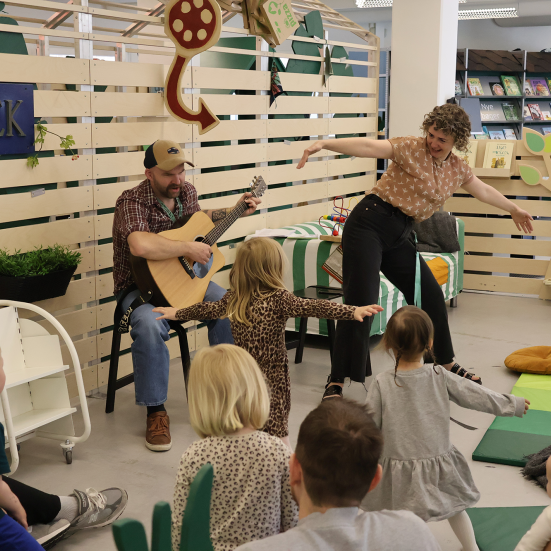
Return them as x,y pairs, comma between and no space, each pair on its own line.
157,436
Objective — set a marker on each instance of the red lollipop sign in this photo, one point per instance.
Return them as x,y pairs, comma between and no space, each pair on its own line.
194,26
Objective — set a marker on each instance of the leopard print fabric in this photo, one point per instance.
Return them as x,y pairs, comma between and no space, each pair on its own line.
251,494
265,340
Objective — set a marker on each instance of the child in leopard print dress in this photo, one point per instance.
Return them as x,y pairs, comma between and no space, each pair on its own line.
258,306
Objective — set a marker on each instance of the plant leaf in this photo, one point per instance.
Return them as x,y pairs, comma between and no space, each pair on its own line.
534,141
529,175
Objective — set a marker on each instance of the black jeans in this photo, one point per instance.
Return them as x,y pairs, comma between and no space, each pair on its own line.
41,508
377,237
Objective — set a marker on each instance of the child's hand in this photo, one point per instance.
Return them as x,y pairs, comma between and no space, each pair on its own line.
167,313
362,311
526,405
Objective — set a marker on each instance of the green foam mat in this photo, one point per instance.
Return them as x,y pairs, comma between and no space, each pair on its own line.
501,528
543,382
509,447
534,422
539,399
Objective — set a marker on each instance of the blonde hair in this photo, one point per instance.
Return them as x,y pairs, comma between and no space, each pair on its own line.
258,269
227,391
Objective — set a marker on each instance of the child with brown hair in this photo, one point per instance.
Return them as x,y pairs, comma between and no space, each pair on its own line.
422,471
258,306
251,494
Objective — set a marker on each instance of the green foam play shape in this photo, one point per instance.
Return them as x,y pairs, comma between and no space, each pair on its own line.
529,175
501,528
534,422
314,24
529,380
11,43
538,398
535,142
508,447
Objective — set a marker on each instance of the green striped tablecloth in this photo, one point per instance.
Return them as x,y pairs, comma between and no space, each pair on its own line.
306,257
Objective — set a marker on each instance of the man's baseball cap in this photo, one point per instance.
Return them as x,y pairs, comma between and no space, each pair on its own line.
165,154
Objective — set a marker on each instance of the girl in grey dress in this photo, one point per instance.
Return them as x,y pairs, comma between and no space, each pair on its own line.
422,471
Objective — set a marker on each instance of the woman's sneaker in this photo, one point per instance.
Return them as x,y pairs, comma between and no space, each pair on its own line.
97,509
48,535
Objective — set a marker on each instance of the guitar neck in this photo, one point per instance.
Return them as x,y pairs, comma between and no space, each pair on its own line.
214,235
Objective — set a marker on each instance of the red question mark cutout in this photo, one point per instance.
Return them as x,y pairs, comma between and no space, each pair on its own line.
194,26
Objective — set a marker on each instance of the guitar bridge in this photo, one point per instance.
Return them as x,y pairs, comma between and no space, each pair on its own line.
187,267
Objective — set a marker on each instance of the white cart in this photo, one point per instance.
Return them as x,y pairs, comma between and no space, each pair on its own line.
35,399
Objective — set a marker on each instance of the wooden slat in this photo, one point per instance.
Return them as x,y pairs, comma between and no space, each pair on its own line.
55,103
46,5
50,169
353,85
89,377
87,351
281,128
53,202
533,247
64,232
222,279
289,173
294,105
75,323
104,313
301,82
21,68
500,284
473,206
245,226
103,226
281,151
112,165
113,104
352,105
296,194
229,79
235,105
297,215
78,292
87,262
502,226
338,167
499,264
104,286
81,133
356,125
215,182
513,187
205,157
344,186
104,256
139,133
106,195
124,16
234,130
114,73
42,31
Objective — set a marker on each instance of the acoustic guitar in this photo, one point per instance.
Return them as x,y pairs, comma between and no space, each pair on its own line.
178,281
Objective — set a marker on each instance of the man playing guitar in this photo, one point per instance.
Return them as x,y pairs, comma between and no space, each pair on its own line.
140,213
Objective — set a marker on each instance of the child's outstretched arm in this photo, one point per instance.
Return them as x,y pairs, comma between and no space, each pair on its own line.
295,307
469,395
199,311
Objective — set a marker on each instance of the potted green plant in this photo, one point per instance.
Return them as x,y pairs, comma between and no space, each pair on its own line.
38,274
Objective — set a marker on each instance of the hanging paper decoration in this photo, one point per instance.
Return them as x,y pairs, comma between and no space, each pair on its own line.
194,26
276,89
328,66
280,19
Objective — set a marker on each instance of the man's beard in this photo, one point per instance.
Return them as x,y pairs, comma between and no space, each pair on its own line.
164,191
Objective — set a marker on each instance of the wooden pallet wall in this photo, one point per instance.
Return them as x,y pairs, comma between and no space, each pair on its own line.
86,189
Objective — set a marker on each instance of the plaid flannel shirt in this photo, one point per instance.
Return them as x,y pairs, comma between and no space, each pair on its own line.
137,209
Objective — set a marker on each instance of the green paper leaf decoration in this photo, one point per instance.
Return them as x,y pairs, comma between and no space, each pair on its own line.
530,175
547,148
535,141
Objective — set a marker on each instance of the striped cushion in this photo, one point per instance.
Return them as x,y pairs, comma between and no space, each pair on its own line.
307,256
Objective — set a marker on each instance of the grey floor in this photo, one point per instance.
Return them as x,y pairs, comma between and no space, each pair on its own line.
485,330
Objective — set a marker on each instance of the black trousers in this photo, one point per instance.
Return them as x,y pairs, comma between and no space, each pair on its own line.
378,237
41,508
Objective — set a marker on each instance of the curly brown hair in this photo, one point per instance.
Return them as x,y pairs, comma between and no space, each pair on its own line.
452,120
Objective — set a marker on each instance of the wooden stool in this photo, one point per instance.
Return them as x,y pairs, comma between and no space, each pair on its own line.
315,292
113,383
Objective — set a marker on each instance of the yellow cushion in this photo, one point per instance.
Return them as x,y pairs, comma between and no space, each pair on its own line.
440,269
535,359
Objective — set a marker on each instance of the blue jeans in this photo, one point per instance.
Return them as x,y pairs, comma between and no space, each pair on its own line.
149,353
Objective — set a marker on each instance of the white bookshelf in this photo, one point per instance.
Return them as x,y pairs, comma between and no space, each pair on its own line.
35,399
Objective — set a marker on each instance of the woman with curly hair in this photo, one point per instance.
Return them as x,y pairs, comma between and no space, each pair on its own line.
377,235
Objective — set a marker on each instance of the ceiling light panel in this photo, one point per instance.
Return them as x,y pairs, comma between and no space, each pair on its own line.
489,13
382,3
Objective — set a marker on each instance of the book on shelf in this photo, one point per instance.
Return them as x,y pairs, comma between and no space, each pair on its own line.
535,111
497,89
511,85
497,135
510,111
491,112
498,155
475,88
509,134
526,114
539,86
546,130
528,90
546,115
458,90
468,156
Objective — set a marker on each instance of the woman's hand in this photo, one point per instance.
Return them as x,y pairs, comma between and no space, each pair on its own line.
314,148
362,311
523,220
167,313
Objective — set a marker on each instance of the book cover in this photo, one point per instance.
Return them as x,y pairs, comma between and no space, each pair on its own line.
497,135
475,88
528,90
458,90
539,86
491,112
510,111
511,85
497,89
546,130
526,114
509,134
498,155
468,156
535,111
546,115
